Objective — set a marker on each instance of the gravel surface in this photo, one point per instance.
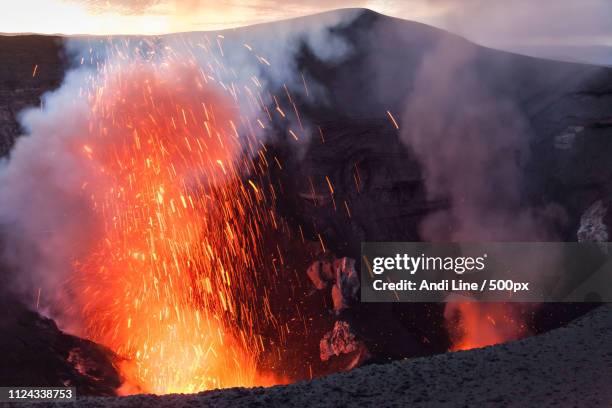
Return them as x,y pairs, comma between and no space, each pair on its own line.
567,367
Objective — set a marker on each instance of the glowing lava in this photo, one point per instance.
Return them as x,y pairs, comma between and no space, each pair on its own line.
169,283
475,325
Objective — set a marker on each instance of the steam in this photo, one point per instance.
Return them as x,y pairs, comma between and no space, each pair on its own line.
472,144
523,25
45,218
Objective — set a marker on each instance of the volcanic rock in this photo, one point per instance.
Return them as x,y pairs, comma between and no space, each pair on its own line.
320,274
341,274
36,353
346,285
31,65
592,224
340,340
565,140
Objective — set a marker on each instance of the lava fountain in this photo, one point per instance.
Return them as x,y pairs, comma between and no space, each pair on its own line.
168,284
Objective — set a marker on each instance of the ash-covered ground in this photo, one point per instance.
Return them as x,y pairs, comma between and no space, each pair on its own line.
566,367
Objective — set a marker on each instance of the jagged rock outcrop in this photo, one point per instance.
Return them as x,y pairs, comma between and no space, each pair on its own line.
341,275
593,226
341,340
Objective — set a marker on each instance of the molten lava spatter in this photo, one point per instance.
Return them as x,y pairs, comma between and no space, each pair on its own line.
474,325
169,283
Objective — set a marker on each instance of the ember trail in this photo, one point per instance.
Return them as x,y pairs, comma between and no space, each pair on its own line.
168,283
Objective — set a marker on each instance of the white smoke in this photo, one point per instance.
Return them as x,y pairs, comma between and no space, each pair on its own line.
45,213
472,145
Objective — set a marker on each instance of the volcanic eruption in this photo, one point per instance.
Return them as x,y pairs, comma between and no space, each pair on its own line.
171,274
171,212
167,200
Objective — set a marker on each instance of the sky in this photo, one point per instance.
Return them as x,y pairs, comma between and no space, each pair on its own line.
517,24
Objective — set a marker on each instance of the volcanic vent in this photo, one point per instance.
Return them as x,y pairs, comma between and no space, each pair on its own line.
174,267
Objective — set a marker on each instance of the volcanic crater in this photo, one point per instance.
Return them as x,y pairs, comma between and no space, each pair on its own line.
356,179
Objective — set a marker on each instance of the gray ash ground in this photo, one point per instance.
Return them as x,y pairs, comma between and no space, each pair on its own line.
566,367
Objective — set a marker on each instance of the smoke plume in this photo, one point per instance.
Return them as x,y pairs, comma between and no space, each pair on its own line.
45,217
472,144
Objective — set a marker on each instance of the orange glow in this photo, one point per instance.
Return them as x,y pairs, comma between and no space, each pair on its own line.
475,325
168,285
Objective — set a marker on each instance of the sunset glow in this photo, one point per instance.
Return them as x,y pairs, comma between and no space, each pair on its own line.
100,17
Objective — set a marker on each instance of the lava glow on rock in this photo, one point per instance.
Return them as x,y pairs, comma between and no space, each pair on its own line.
168,284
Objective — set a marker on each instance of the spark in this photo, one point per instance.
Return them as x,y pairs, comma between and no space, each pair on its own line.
393,120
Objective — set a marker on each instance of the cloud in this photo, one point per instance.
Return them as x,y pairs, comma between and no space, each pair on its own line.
250,10
120,6
525,22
